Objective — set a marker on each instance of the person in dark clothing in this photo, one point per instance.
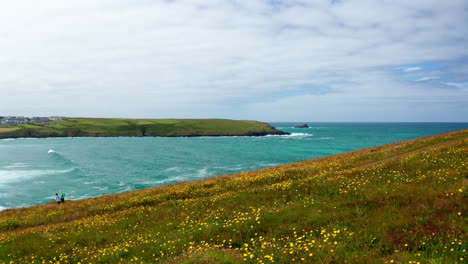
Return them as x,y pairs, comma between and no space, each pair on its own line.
62,196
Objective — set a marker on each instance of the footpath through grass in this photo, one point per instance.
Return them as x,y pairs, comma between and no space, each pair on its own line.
399,203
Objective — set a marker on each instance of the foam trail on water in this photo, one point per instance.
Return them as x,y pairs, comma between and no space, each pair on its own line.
8,176
59,157
16,165
291,135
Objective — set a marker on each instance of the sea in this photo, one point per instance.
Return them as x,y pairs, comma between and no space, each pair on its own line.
33,170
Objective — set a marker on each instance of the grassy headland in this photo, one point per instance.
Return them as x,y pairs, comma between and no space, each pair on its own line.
104,127
399,203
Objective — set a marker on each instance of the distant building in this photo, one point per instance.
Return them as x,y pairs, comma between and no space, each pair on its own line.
39,119
16,120
12,120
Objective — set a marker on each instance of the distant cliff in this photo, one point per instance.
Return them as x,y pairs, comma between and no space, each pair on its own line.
112,127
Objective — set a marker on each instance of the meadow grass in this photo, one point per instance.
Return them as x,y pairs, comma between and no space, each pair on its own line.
398,203
140,127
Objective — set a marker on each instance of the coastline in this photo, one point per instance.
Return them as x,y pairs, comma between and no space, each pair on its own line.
117,127
252,134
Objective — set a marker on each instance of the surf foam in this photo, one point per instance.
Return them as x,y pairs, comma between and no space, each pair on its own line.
8,176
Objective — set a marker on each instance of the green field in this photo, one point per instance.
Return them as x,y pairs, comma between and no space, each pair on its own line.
399,203
72,127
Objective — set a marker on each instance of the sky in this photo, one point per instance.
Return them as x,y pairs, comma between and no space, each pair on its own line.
267,60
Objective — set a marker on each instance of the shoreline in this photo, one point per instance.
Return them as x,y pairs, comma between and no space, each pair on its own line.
252,134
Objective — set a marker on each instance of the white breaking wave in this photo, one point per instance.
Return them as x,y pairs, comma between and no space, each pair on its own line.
176,169
2,208
300,134
89,182
202,173
269,164
227,168
8,176
51,151
292,135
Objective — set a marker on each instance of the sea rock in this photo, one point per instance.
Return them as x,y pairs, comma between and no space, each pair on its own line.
302,126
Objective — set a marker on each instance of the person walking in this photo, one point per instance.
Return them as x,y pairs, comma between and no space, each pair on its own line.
62,197
57,198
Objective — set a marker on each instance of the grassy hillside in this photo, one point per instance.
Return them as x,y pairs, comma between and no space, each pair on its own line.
139,127
399,203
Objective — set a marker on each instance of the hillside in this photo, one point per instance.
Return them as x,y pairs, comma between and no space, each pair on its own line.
105,127
399,203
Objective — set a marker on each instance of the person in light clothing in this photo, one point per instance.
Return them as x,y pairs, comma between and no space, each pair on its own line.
57,198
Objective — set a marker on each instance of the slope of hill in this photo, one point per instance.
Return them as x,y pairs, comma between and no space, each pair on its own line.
104,127
399,203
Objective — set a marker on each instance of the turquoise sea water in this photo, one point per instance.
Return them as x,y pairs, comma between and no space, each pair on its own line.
33,170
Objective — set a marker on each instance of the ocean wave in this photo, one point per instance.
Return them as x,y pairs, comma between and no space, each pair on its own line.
198,174
202,173
100,188
291,135
80,197
17,165
229,168
269,164
8,176
166,181
89,182
174,169
3,208
38,182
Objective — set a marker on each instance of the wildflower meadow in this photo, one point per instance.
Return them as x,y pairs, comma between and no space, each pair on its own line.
399,203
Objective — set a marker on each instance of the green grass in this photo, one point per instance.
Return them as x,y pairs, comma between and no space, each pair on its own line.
140,127
399,203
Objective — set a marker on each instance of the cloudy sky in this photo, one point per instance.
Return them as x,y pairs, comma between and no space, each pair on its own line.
268,60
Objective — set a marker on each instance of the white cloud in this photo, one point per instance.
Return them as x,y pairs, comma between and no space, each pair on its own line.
457,85
427,78
203,59
410,69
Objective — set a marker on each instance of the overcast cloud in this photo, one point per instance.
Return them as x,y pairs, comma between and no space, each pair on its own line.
269,60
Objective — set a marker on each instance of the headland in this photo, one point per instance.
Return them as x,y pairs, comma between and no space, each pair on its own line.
120,127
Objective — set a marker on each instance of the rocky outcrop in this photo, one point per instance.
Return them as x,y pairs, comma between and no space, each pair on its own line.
302,126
